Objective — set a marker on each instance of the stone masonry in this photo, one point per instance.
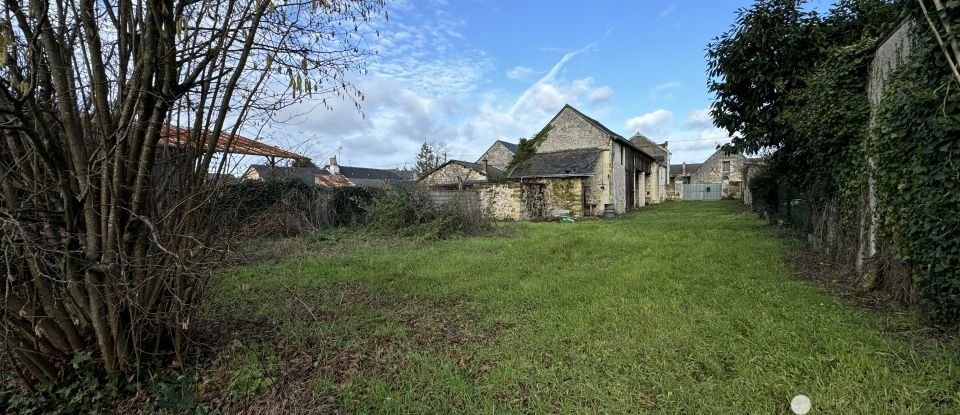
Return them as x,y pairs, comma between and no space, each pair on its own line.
498,155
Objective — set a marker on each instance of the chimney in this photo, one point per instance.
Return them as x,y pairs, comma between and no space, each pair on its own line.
683,168
333,168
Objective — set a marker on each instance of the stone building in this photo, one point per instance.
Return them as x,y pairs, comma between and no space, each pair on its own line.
498,155
457,174
580,167
656,187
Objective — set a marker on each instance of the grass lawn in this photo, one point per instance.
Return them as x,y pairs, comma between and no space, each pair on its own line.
678,308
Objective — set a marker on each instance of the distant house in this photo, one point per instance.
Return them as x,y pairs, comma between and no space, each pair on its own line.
365,176
498,155
722,169
583,168
309,175
457,174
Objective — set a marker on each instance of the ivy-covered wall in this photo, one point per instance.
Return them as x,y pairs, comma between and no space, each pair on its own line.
915,151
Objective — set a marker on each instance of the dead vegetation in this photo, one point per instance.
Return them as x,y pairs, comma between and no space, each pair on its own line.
334,335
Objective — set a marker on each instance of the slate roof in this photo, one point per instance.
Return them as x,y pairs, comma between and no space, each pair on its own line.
675,169
304,174
647,145
368,173
510,146
568,163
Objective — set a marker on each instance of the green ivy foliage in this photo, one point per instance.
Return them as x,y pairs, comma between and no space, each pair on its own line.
829,147
916,150
830,116
528,147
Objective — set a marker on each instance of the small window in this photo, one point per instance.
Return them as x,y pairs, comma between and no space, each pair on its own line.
621,155
725,167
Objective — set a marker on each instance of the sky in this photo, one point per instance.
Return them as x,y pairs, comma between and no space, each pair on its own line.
468,72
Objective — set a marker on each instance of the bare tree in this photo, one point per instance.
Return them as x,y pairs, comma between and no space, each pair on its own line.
112,113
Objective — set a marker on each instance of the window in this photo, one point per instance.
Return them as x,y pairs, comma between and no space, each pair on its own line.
725,167
621,155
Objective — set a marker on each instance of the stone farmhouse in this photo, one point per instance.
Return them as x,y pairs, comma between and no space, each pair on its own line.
579,168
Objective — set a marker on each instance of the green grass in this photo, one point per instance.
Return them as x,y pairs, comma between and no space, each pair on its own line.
678,308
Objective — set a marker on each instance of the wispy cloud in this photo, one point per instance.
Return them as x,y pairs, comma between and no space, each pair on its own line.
661,91
549,77
668,11
520,72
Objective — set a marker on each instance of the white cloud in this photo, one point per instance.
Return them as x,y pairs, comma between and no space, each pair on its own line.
601,94
699,119
519,72
425,86
651,122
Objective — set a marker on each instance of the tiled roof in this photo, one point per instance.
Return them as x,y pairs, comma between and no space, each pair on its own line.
333,180
304,174
649,147
569,163
180,137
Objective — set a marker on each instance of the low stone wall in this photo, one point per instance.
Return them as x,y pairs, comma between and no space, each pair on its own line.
505,201
502,201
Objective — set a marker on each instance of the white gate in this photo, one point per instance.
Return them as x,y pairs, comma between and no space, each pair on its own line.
702,191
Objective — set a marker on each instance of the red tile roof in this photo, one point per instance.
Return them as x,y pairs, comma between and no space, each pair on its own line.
333,180
180,137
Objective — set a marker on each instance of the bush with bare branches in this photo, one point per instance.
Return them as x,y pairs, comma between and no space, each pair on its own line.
104,208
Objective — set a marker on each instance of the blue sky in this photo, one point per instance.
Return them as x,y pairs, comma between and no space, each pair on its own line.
468,72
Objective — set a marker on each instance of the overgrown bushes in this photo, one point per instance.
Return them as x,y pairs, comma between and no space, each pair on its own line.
292,207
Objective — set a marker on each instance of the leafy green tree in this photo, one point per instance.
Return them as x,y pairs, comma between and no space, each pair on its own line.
755,65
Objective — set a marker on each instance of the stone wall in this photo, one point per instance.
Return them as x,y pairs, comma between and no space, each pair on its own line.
498,156
452,174
618,179
750,170
651,191
597,188
888,56
502,201
569,131
562,194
